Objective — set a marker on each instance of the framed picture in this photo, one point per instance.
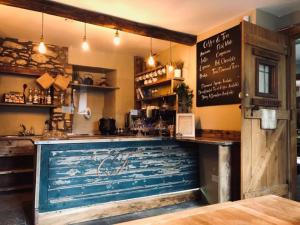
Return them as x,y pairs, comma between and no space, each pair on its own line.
185,124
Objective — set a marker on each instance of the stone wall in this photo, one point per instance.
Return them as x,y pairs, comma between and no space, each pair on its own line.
25,54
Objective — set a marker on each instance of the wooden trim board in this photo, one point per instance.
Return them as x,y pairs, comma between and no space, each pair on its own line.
93,212
101,19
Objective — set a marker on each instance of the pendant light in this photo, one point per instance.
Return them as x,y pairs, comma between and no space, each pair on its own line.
42,46
85,45
151,61
117,39
170,66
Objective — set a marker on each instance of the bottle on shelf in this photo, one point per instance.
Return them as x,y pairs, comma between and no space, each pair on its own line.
49,99
30,96
35,97
42,98
62,98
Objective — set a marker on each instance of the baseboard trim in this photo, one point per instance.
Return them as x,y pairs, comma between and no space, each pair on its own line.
81,214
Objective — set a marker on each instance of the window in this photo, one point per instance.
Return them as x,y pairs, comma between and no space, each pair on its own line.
266,78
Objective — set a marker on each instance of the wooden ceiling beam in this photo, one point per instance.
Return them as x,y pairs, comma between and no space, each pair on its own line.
292,31
100,19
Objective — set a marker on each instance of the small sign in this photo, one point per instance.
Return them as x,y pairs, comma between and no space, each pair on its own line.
268,119
185,125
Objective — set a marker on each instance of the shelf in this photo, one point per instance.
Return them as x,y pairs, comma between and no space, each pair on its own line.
94,87
157,83
158,97
3,172
90,69
21,71
26,105
149,71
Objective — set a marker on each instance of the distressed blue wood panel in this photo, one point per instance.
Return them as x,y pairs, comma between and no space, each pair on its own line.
84,174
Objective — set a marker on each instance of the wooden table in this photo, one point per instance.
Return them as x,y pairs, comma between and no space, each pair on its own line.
263,210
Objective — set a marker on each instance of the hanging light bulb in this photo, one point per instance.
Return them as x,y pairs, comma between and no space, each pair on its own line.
170,66
85,45
117,39
151,61
42,46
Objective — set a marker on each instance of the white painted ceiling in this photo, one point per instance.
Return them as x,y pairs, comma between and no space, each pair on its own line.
191,16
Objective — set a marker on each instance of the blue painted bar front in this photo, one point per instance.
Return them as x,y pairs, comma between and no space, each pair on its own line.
83,174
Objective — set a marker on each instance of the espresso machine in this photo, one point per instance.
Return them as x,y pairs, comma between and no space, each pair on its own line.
151,120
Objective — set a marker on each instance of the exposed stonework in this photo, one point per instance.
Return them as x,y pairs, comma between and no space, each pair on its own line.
39,58
21,62
6,59
12,45
16,53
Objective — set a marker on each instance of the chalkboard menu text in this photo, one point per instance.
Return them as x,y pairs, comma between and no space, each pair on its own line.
219,69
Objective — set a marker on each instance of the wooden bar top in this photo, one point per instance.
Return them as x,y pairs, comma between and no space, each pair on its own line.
210,140
263,210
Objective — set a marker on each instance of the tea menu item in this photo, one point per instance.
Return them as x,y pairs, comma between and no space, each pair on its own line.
219,69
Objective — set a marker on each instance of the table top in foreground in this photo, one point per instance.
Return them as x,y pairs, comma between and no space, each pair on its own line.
263,210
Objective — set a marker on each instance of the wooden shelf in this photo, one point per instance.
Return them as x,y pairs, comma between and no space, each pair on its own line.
94,87
26,105
3,172
21,71
149,71
159,82
158,97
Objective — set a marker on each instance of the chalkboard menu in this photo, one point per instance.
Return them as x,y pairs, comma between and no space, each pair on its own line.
219,69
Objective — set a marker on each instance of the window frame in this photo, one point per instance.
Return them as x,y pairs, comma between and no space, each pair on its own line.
274,77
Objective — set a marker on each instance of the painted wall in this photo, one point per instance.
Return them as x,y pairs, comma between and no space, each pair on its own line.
114,104
24,54
225,117
267,20
123,99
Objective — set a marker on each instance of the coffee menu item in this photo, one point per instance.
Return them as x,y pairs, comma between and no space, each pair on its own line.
219,69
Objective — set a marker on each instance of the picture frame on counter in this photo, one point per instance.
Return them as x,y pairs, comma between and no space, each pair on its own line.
185,125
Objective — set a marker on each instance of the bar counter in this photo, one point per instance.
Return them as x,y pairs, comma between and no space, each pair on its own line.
92,170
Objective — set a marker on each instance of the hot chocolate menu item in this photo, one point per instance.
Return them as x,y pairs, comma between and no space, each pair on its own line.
219,69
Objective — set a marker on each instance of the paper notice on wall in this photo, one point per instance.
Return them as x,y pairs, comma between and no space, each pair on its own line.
82,105
268,119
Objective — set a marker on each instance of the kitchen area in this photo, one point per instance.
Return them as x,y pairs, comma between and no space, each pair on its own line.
103,119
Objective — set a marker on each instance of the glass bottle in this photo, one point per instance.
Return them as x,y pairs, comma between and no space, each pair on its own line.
30,96
49,99
42,98
62,98
35,97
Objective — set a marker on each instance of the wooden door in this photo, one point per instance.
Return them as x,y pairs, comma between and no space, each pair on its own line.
268,157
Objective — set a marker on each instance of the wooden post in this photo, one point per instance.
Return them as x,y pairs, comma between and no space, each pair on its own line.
224,173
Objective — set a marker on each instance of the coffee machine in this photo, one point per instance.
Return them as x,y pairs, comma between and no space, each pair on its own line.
150,121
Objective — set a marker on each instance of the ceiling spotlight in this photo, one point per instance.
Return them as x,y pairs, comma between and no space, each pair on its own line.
117,39
85,45
42,46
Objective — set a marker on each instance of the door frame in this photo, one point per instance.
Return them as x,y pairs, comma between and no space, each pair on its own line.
290,99
293,32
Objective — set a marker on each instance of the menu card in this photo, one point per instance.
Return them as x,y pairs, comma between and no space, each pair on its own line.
219,69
